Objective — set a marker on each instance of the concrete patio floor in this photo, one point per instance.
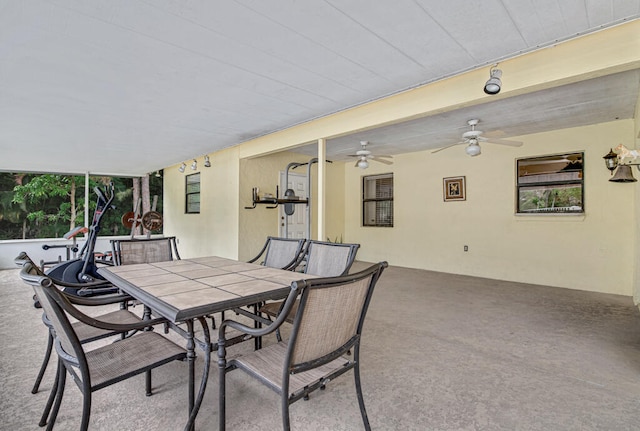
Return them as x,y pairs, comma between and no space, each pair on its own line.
440,352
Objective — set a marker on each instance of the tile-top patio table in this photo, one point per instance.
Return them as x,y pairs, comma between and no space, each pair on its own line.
186,290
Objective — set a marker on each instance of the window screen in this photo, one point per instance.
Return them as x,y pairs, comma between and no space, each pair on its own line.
377,200
192,194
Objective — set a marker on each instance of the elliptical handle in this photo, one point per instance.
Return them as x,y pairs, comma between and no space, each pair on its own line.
100,194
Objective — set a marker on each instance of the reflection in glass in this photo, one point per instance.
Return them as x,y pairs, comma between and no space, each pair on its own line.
551,184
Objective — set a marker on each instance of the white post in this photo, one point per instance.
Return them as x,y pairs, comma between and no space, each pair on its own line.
86,200
322,165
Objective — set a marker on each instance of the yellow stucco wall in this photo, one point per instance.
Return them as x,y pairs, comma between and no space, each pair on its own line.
597,251
577,252
215,230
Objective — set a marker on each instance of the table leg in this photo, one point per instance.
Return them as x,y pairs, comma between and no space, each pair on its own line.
194,405
191,357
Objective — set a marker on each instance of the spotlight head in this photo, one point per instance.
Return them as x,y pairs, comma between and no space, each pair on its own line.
182,167
207,162
494,84
194,165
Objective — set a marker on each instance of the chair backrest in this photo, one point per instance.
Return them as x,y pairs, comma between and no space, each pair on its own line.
132,251
50,299
330,317
329,259
280,252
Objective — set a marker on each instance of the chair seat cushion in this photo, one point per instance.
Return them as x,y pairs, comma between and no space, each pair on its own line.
266,364
125,358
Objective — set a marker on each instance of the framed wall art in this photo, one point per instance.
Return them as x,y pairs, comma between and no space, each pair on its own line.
454,189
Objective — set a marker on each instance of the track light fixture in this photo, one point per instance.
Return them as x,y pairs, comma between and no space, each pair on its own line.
494,84
207,162
194,165
182,167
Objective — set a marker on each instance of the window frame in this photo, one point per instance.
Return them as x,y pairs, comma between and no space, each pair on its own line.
190,194
378,201
555,178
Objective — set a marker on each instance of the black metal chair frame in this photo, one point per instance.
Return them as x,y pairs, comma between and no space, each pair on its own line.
115,298
301,289
304,256
172,248
273,309
77,365
267,246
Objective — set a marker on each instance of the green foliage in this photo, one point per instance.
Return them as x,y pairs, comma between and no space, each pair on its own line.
546,198
49,205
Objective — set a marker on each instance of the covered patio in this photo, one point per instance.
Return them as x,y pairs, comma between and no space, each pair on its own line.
440,352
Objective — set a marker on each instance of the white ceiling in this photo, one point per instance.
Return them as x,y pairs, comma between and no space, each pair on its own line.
131,86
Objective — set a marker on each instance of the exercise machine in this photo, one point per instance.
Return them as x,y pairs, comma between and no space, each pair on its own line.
80,276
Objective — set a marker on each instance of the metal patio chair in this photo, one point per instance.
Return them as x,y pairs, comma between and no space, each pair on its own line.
147,250
326,259
85,333
327,324
280,252
101,367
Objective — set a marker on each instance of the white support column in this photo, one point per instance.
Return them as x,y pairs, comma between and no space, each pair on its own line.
322,164
86,200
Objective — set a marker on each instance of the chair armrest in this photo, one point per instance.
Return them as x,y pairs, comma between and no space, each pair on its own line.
259,332
99,300
264,247
96,323
68,307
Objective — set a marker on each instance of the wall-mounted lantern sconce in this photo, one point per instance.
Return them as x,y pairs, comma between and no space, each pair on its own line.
207,162
182,167
623,172
611,160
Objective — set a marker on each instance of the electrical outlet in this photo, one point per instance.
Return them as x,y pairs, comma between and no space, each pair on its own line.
466,248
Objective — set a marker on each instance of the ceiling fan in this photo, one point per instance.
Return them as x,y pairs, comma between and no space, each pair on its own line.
365,155
473,138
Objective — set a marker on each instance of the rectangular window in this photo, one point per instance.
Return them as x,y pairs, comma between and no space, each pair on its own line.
193,194
551,184
377,200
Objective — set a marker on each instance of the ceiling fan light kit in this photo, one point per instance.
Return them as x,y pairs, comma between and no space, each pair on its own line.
365,155
473,138
494,84
363,164
473,149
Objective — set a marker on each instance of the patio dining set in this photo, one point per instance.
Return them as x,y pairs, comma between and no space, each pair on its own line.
303,285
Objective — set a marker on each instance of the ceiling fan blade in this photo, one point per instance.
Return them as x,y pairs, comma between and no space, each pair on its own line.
384,155
356,165
448,146
386,162
504,142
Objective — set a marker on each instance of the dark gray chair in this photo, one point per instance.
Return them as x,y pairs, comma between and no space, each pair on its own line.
325,259
86,333
327,324
132,251
280,252
101,367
